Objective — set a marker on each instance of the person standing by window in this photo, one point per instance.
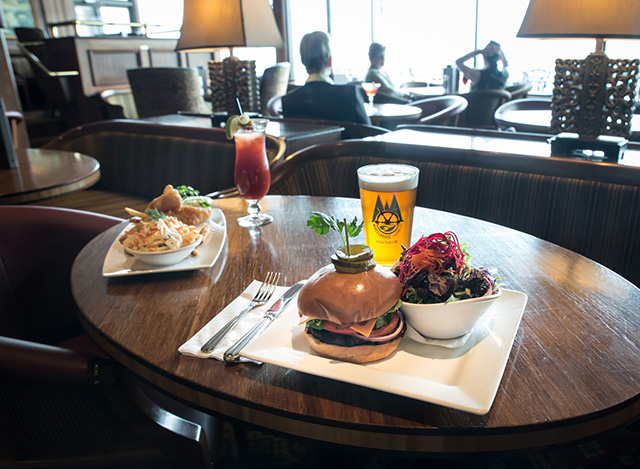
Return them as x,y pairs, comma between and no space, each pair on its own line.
491,76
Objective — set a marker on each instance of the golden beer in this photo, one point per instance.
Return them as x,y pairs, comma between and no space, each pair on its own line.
388,196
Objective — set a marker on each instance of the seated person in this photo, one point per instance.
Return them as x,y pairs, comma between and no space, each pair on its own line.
320,98
490,77
377,75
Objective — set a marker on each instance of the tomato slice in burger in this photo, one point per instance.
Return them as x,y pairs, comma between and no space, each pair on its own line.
346,329
339,328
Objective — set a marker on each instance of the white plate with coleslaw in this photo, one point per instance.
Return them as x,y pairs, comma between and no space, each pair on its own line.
119,264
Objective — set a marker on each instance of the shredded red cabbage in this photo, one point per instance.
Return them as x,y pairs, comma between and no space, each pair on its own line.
437,253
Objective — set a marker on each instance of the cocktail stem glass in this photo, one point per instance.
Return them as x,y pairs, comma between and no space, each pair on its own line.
251,172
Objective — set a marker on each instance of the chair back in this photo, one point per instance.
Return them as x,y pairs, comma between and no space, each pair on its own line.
274,106
441,110
482,107
119,104
26,34
166,90
56,90
37,248
61,402
526,104
519,90
274,82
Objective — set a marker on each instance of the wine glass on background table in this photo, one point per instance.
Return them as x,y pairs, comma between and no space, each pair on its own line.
251,173
371,89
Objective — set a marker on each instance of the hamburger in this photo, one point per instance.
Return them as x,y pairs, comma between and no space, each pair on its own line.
351,316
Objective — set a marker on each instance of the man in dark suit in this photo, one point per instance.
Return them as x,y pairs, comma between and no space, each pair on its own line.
319,98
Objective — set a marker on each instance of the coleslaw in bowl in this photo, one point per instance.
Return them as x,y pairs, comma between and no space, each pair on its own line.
161,240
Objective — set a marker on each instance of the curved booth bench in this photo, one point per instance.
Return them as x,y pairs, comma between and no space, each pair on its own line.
138,159
588,207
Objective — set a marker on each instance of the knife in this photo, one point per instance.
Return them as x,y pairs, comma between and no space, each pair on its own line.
232,355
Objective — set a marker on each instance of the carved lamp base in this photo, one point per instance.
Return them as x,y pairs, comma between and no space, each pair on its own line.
593,98
604,147
234,78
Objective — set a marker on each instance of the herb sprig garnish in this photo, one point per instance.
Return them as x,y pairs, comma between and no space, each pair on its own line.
322,224
155,214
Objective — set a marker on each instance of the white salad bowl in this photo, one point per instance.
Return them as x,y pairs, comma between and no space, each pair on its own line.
448,320
163,258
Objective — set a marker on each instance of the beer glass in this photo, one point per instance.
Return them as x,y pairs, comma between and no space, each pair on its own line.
388,196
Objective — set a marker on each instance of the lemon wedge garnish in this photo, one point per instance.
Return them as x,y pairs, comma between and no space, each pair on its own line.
234,123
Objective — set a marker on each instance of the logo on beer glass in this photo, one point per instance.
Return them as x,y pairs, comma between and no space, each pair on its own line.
386,218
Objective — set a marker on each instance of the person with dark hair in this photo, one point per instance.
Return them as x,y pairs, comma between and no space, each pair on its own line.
377,75
320,98
491,76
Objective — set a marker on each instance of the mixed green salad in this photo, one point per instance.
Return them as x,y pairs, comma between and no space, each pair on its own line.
436,269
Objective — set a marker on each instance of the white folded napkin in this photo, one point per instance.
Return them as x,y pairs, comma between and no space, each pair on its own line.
192,346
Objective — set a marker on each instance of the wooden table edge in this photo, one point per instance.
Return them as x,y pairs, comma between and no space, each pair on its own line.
418,442
60,189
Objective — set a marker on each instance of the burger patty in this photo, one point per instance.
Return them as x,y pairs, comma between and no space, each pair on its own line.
344,340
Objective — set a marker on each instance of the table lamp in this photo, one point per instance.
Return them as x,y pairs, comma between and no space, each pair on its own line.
592,101
216,24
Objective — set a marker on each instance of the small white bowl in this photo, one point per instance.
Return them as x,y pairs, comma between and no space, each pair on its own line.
163,258
448,320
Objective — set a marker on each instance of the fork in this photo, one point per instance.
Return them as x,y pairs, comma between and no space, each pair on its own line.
263,295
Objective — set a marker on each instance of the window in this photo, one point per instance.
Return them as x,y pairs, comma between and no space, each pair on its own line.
120,12
305,16
351,36
163,17
425,36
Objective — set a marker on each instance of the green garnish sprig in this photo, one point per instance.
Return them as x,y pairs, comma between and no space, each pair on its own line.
155,214
322,224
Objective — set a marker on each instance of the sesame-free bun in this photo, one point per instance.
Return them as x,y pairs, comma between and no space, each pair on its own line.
347,298
356,354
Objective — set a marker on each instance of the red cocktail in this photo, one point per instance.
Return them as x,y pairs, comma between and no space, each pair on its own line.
251,174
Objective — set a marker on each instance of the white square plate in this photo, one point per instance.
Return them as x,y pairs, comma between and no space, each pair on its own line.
465,378
119,264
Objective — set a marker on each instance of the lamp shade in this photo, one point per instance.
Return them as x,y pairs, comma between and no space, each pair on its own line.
582,18
212,24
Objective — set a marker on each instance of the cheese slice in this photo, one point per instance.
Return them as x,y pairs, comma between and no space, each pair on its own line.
366,328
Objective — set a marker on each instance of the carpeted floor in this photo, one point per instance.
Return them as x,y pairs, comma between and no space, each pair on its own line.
618,449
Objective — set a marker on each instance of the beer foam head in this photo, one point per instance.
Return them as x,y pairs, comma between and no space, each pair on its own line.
388,177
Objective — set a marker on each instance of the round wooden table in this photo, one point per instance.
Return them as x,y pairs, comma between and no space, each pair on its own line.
573,370
390,115
46,173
